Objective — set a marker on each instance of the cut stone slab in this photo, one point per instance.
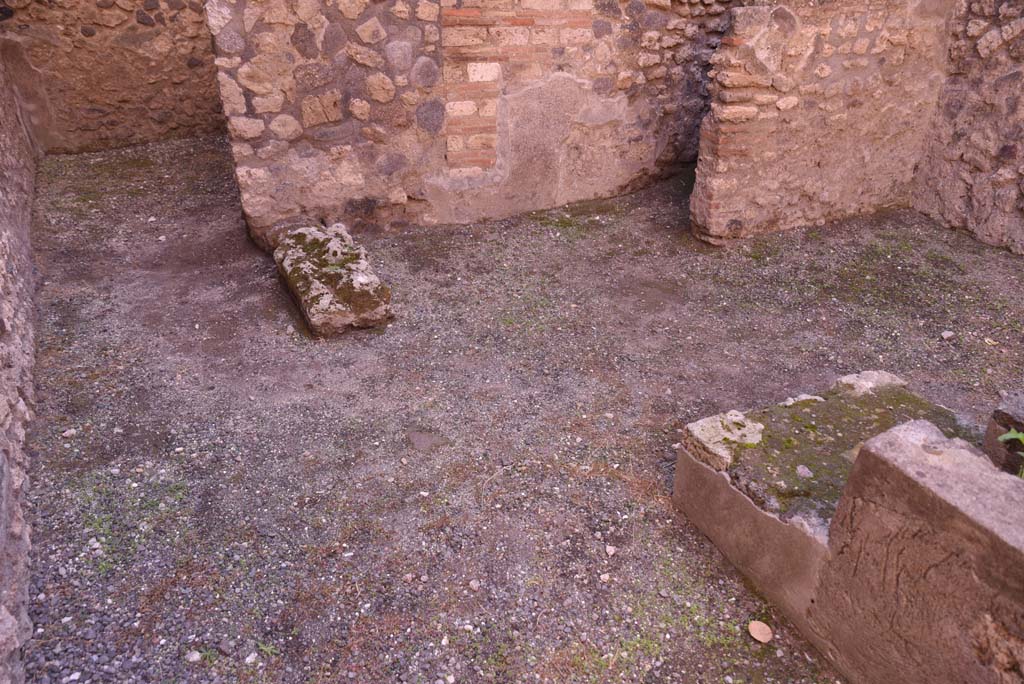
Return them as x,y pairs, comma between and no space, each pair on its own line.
1009,415
331,279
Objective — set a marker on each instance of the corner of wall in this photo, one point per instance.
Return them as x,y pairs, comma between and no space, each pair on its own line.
971,174
818,112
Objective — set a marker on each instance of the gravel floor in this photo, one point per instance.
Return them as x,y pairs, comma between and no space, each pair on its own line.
478,493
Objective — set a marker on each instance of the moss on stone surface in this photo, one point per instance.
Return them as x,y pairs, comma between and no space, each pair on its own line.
823,437
330,278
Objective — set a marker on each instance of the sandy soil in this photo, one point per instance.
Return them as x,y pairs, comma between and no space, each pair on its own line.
437,501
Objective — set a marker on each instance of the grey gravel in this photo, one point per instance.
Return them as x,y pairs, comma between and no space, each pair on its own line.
296,510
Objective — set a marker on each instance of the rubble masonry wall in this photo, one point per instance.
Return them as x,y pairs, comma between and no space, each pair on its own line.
459,110
17,169
819,110
107,73
972,174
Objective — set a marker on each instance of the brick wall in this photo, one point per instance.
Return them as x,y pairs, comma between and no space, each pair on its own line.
654,53
973,173
17,170
408,110
819,111
107,73
496,44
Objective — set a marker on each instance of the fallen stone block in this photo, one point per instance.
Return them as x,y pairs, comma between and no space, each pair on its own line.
1007,455
331,279
888,540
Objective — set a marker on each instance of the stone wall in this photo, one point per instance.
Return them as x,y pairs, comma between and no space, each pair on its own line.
106,73
452,111
17,168
973,173
334,108
819,110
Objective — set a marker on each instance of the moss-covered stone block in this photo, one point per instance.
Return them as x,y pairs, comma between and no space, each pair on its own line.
331,279
793,459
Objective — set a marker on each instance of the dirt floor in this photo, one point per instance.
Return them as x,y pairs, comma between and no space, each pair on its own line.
478,493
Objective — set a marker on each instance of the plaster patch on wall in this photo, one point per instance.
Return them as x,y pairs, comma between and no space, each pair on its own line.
558,142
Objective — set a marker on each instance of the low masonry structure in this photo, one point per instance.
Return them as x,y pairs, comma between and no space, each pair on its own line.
893,544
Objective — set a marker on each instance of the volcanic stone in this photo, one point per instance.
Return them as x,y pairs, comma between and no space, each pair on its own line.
331,280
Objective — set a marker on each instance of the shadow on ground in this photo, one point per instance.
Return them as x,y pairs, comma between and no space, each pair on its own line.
478,493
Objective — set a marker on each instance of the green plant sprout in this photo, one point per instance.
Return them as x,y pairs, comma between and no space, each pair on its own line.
1019,436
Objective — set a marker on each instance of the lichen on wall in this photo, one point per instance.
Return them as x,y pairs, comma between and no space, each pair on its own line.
17,168
819,110
107,73
972,175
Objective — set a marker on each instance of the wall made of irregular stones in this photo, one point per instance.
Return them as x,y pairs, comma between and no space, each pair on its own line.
17,169
108,73
820,110
334,108
453,111
973,173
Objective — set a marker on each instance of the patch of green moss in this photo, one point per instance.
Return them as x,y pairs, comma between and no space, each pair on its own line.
824,437
319,266
761,250
887,276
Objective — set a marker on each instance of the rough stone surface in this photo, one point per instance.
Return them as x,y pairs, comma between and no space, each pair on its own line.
917,577
868,381
798,467
711,440
926,580
331,280
819,110
1006,455
495,108
17,170
98,74
972,176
